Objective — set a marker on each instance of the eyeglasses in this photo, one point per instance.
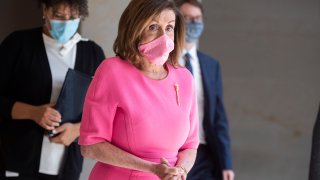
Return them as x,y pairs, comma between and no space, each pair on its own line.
62,16
189,19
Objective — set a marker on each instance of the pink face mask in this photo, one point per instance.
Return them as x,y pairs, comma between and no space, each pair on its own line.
158,50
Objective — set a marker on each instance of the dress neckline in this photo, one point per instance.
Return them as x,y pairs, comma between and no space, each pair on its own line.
140,73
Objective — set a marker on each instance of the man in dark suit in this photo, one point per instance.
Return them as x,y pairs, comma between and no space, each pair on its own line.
314,172
213,157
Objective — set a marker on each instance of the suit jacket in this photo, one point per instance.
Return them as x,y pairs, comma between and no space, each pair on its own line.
215,121
25,76
314,172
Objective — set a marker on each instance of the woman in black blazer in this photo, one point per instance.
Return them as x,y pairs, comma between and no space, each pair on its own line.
33,65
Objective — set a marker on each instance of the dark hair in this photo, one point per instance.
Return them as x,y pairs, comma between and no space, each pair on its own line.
79,5
196,3
133,21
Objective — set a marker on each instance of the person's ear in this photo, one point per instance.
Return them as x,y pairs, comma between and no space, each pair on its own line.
44,11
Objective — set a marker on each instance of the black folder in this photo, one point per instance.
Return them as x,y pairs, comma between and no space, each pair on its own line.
72,95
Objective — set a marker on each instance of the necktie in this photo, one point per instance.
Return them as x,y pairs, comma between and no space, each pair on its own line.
187,58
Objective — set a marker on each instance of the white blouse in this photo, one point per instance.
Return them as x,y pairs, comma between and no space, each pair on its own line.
61,57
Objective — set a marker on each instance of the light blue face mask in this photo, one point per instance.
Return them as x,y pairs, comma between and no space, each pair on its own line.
62,31
193,31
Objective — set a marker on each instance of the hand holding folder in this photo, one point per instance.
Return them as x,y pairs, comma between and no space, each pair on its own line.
72,95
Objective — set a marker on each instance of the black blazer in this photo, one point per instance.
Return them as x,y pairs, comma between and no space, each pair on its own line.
25,76
314,172
215,121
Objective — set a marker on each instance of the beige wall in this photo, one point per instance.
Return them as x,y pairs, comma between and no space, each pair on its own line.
270,56
102,24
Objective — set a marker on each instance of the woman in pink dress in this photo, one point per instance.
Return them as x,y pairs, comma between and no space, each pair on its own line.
140,116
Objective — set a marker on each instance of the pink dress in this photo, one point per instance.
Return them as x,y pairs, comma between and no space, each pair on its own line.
139,115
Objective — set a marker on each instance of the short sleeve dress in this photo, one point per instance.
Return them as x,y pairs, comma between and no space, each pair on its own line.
145,117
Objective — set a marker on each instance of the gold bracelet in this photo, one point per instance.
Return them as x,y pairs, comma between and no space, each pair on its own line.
183,168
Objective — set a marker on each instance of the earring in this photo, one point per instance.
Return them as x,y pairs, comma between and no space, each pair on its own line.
44,20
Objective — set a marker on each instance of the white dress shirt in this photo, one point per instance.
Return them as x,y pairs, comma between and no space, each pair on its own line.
61,57
199,86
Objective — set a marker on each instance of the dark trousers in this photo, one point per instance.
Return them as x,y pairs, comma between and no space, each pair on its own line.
204,168
314,172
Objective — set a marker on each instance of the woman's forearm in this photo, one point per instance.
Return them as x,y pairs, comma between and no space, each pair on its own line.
43,115
186,159
107,153
22,111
